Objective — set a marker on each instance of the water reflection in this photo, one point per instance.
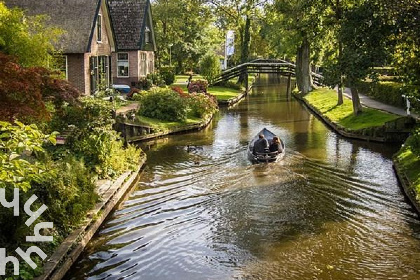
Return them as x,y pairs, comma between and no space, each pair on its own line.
331,209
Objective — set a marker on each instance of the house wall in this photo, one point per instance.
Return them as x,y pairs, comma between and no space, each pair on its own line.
145,66
103,47
133,76
137,68
76,71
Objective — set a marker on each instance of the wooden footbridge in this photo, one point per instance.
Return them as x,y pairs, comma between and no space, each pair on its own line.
264,66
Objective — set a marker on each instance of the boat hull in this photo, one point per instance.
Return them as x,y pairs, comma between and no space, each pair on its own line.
264,157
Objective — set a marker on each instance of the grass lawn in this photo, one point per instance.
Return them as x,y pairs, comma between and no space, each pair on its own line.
180,79
410,164
325,100
166,125
223,93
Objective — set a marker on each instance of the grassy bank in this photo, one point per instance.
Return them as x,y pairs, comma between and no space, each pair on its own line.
162,125
409,163
325,100
222,93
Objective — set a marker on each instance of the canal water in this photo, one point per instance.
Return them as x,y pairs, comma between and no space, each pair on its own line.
331,209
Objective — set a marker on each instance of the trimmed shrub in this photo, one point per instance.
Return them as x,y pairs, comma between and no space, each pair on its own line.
210,67
167,74
386,92
145,83
180,91
198,86
201,105
163,104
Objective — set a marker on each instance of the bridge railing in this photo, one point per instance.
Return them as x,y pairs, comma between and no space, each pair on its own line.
264,66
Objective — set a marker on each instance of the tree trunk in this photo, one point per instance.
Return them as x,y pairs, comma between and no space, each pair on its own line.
341,83
340,91
340,94
357,107
245,47
303,68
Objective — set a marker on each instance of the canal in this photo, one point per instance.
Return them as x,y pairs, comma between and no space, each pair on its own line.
331,209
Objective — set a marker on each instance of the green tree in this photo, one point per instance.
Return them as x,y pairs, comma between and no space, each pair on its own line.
365,35
242,17
302,25
27,38
406,58
184,32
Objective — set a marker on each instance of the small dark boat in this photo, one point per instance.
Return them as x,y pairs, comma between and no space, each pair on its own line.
268,156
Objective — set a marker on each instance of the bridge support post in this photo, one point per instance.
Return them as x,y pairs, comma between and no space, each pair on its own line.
246,82
289,87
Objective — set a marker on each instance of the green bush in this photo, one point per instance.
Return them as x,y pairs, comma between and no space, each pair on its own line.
201,105
414,142
92,138
163,104
386,92
68,191
210,67
168,74
198,86
145,83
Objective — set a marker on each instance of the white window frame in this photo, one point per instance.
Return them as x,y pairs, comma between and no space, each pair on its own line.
99,29
123,61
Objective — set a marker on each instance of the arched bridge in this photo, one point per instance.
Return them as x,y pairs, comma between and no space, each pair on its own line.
269,66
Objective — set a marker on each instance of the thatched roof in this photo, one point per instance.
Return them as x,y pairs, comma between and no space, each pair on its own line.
128,18
75,17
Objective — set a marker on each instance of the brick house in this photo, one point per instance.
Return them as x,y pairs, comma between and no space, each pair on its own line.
135,41
88,41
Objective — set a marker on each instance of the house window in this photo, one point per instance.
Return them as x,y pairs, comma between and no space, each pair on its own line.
122,65
99,28
143,64
147,35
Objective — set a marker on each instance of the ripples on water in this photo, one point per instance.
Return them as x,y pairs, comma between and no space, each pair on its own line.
210,214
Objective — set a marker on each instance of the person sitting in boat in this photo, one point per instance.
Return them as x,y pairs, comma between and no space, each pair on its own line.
261,145
275,145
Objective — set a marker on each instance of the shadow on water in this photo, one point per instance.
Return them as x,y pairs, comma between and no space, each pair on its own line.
331,209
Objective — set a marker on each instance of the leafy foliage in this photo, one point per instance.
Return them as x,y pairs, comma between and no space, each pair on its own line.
28,38
66,187
180,91
198,86
168,74
92,138
68,191
210,67
24,91
387,92
184,32
202,105
163,104
414,142
19,145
